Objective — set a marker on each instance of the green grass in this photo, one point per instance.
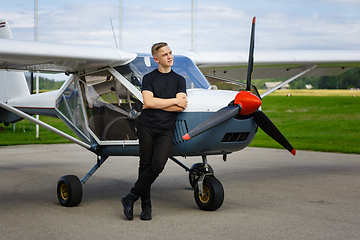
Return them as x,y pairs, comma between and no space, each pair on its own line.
326,124
25,133
316,123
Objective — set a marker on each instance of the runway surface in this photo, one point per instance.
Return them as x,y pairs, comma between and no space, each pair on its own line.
269,194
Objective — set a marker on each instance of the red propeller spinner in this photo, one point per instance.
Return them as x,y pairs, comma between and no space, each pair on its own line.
248,102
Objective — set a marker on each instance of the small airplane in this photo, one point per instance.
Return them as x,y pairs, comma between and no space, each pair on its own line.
101,100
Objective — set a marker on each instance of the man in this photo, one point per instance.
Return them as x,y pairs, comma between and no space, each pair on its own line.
164,94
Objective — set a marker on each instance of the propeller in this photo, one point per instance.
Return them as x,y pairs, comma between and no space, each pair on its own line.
270,129
251,56
245,103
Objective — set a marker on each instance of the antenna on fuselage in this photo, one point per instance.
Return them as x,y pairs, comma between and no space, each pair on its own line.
113,33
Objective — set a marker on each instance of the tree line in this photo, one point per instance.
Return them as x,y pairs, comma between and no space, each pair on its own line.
347,80
48,84
45,84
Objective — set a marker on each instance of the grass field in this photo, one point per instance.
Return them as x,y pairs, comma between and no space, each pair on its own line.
316,120
24,132
315,92
317,123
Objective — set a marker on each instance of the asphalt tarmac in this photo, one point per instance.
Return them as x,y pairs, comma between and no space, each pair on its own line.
269,194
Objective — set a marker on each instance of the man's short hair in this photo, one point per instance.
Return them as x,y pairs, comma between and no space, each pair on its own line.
156,47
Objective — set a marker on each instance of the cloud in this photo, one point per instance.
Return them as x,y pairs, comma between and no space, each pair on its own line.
226,25
355,3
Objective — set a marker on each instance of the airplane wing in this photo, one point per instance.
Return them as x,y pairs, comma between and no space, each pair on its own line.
51,57
275,64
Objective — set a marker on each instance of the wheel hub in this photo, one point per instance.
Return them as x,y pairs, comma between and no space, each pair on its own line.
64,191
205,196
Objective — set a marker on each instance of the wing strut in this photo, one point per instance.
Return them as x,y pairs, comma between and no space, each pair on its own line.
44,125
126,83
287,81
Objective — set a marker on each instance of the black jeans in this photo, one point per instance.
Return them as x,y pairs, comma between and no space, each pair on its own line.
154,147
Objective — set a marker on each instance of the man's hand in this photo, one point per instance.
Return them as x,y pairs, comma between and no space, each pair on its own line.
181,100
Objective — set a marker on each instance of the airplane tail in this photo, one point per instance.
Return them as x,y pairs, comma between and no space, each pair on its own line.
5,30
12,84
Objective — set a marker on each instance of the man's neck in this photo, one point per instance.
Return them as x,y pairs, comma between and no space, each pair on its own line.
164,69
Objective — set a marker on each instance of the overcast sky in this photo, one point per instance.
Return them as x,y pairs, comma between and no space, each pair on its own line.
218,24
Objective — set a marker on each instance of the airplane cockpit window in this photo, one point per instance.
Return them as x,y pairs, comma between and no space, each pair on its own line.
111,108
70,109
135,70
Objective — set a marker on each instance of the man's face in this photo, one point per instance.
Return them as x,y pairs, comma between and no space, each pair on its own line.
164,57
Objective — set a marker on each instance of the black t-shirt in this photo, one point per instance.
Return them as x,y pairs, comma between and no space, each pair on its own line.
162,85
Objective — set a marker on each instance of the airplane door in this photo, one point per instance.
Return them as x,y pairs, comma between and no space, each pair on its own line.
111,109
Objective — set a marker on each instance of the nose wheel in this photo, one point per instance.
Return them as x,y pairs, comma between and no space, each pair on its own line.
209,193
208,190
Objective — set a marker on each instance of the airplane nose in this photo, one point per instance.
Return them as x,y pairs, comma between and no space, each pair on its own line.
245,103
248,101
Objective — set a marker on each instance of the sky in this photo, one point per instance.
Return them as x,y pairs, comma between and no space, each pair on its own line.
218,25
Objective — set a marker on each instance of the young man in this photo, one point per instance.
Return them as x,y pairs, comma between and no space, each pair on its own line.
164,94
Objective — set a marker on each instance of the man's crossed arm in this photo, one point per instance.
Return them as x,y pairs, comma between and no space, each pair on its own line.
171,104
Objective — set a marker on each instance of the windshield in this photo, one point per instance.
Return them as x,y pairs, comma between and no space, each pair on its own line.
183,66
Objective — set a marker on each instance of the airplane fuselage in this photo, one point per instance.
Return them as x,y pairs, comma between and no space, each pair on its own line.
102,109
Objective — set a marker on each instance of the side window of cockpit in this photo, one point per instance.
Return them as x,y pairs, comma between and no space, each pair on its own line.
134,77
111,109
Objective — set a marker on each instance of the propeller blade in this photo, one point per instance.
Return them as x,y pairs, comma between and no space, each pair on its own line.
217,118
251,56
245,103
270,129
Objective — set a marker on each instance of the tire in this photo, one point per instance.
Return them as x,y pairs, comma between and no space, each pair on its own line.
193,178
69,191
213,194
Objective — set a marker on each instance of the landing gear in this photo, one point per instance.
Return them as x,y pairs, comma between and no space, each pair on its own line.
69,191
211,196
69,187
208,190
196,171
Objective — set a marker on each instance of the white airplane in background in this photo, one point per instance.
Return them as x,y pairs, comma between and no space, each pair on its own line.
101,101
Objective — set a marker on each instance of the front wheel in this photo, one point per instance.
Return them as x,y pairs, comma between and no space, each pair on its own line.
198,167
69,191
213,194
